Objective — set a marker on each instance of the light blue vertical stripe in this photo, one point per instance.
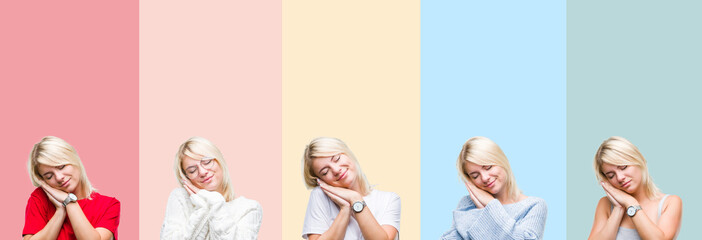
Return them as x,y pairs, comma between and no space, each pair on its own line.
495,69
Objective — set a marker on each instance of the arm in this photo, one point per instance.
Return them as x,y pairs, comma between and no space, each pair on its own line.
53,227
668,224
494,222
337,230
369,226
82,228
238,219
188,216
606,225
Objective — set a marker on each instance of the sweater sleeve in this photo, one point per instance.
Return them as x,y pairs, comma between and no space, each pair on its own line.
239,219
493,222
187,217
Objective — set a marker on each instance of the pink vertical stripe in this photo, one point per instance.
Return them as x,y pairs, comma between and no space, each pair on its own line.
70,69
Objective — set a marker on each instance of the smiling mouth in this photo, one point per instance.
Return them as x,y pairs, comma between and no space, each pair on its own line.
626,184
207,179
343,175
491,184
65,184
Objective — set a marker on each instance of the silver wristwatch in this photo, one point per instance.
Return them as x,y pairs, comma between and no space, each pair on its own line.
69,199
631,210
358,206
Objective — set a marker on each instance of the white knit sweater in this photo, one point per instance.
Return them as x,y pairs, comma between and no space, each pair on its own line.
206,216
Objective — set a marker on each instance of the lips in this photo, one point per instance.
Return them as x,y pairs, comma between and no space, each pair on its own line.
65,184
343,175
491,183
626,184
207,180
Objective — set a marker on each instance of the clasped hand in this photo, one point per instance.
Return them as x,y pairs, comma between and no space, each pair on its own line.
618,197
480,197
55,196
343,197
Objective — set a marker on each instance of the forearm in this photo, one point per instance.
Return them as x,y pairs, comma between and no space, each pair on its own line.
338,228
81,226
611,227
646,228
370,228
53,227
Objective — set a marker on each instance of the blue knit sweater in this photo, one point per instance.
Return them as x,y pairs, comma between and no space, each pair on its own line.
521,220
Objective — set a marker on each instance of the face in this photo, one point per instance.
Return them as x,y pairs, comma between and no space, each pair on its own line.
626,177
338,170
490,178
204,174
63,177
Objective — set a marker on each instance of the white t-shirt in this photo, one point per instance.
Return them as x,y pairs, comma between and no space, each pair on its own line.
321,212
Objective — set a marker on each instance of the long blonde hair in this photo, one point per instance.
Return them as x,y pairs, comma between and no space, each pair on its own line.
619,152
327,147
196,148
54,151
483,151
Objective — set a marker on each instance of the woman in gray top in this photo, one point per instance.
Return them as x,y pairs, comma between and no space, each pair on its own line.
634,207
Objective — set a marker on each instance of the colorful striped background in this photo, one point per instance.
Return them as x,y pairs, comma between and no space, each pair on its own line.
404,83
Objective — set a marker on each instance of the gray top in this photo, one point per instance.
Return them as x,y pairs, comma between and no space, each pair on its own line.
632,234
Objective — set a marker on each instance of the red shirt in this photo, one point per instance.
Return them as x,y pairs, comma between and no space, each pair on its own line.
101,211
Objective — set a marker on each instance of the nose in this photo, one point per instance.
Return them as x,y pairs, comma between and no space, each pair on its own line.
201,171
620,177
336,169
59,176
485,177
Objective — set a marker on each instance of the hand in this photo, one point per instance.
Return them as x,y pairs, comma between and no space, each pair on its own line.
189,187
480,197
618,197
341,196
56,196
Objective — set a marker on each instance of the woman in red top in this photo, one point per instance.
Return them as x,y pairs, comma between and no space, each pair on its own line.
65,205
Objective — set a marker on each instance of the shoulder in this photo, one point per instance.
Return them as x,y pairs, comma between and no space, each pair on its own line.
386,195
465,203
102,198
672,201
38,193
178,193
317,193
604,203
246,204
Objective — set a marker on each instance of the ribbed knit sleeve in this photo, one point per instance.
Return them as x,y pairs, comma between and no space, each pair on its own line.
206,215
522,220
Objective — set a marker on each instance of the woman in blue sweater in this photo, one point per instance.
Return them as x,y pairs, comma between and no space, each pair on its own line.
495,208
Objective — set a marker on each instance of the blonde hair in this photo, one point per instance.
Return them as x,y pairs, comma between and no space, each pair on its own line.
53,151
483,151
197,148
619,152
327,147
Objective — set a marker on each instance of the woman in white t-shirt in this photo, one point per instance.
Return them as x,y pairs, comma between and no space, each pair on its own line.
342,204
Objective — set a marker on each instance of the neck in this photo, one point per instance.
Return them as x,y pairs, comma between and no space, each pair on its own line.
80,194
357,187
503,197
640,195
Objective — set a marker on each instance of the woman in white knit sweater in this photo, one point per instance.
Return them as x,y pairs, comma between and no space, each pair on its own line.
205,206
495,208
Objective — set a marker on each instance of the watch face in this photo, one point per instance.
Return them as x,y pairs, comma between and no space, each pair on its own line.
357,206
631,211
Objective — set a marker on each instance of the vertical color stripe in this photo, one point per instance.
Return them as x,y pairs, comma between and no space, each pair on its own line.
351,71
70,69
497,70
211,69
634,71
